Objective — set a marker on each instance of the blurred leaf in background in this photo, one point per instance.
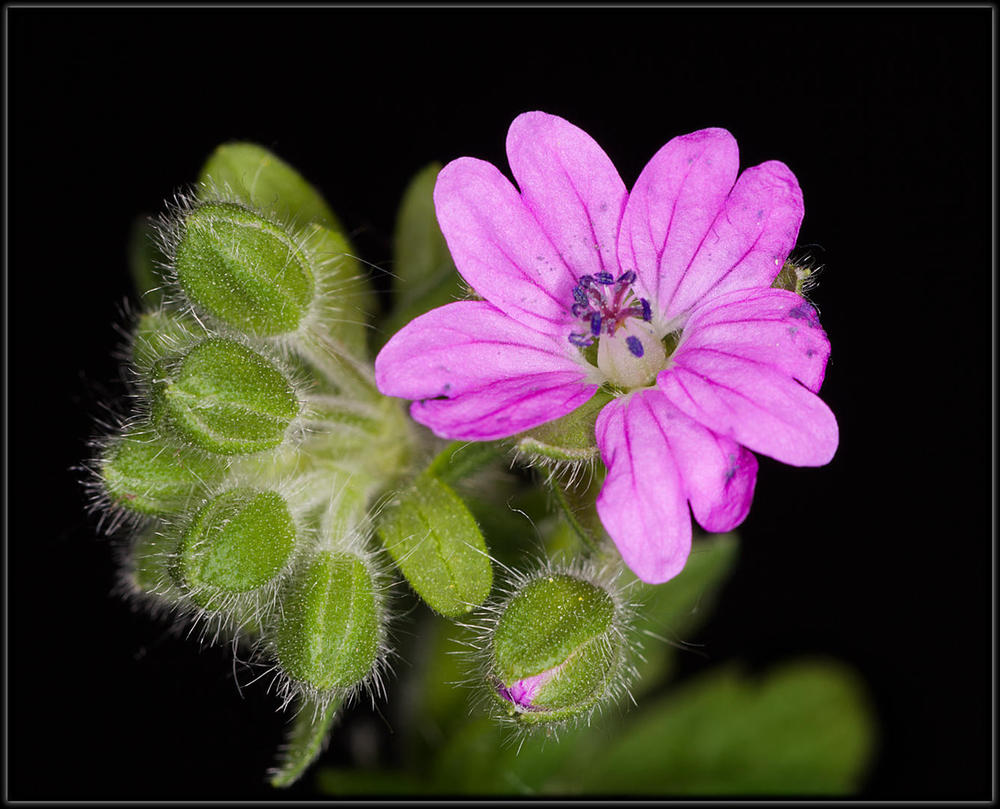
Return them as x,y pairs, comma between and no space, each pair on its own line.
424,275
805,728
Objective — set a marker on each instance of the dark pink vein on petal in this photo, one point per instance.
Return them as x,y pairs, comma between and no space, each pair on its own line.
716,384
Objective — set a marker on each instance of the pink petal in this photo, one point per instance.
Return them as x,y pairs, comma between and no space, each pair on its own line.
718,474
571,187
479,375
499,248
642,503
506,407
748,243
769,326
672,207
755,404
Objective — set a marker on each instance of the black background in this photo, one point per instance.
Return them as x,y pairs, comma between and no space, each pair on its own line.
882,559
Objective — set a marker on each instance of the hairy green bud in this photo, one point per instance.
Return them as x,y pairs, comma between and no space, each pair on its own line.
328,635
225,398
243,269
556,649
239,541
146,474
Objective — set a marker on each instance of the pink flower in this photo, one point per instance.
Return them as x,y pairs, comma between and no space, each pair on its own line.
673,284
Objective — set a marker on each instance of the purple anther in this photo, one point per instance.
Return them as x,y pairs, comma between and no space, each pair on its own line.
595,324
581,310
579,296
647,312
580,340
634,346
586,281
627,277
604,278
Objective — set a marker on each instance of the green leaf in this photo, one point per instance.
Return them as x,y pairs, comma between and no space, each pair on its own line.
438,546
328,634
266,182
244,269
239,541
225,398
305,742
424,273
145,260
147,474
805,729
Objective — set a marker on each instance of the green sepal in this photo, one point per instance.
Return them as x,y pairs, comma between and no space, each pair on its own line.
147,474
792,277
240,541
567,439
435,541
345,285
562,628
306,740
264,181
146,261
424,274
327,638
243,269
224,398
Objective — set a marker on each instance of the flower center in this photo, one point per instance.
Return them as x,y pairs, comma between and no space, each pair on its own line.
629,353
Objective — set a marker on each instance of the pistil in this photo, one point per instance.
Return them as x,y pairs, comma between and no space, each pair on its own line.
629,352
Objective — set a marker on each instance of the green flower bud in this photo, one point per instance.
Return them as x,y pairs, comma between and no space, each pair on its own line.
328,635
557,649
146,474
240,541
243,269
224,398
